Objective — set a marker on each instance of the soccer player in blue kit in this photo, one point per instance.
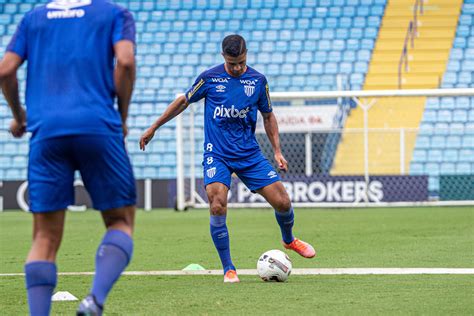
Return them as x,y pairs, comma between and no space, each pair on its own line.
81,55
233,93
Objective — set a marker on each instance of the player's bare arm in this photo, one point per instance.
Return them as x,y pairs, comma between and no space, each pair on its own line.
271,128
174,109
124,77
9,83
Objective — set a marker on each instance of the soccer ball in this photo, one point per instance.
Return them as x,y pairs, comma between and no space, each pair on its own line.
274,265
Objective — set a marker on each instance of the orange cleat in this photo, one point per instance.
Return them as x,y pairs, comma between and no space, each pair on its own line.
231,277
301,247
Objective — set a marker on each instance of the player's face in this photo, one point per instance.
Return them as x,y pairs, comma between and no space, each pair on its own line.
236,66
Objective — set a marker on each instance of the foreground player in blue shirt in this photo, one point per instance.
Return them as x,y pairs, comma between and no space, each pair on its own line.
234,93
71,85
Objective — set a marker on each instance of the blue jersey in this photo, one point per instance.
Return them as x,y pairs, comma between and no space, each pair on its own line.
69,47
230,114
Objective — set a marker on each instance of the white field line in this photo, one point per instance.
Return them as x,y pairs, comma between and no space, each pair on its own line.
335,271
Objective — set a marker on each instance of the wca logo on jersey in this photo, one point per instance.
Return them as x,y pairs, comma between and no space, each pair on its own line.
230,112
249,82
67,9
220,80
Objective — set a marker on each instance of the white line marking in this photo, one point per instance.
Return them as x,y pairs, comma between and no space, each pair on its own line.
328,271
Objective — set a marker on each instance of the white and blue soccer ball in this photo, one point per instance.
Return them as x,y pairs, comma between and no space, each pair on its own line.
274,265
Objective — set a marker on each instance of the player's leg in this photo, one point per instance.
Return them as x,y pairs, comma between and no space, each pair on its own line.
276,195
108,177
50,182
259,176
40,267
114,252
217,181
217,195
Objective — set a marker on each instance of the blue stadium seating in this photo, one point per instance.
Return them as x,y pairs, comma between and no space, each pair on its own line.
448,123
298,44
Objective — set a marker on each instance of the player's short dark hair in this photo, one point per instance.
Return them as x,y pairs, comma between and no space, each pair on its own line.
234,45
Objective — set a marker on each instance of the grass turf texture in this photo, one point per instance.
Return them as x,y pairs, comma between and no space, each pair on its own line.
165,240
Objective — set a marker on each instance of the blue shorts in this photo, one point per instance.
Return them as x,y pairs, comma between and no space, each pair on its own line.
102,161
255,172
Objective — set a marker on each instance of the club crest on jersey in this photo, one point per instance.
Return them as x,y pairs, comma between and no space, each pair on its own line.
249,90
211,172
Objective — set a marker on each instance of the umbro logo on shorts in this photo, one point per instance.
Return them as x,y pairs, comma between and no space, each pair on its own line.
211,172
272,174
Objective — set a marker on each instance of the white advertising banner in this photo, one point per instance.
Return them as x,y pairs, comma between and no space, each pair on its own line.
302,118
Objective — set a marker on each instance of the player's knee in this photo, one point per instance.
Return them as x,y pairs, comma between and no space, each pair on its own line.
121,217
283,205
49,241
218,208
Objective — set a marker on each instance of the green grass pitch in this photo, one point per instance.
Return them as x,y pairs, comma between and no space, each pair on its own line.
437,237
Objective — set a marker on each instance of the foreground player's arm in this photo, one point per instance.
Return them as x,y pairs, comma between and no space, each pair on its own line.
271,128
9,83
124,77
174,109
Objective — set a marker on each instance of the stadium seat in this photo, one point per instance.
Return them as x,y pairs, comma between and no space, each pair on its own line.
463,168
438,142
430,116
334,56
466,155
450,155
419,155
447,169
460,42
434,156
432,169
426,129
441,128
468,142
423,142
433,184
456,129
453,142
445,116
13,174
463,103
432,104
416,169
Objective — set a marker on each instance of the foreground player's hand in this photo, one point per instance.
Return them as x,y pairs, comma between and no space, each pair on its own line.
17,129
281,161
146,137
125,129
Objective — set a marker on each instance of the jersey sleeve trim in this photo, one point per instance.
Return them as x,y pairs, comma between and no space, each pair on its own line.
195,89
267,91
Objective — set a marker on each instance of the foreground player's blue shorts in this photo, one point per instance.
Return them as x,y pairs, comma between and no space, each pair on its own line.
255,172
102,161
